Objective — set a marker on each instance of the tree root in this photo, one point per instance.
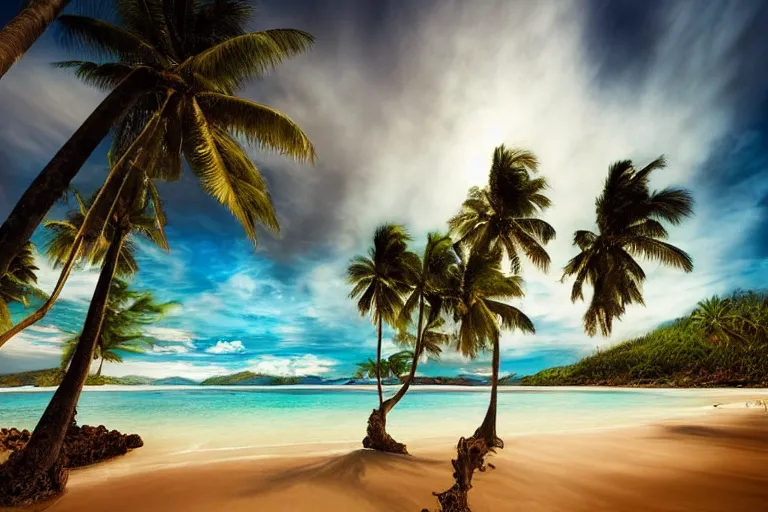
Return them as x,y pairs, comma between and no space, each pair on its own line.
471,455
23,483
378,438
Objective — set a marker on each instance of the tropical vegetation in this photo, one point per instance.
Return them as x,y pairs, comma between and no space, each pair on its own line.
629,222
393,366
689,352
173,69
379,282
19,284
126,313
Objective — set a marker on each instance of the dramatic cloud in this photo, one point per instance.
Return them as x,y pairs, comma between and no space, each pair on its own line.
405,104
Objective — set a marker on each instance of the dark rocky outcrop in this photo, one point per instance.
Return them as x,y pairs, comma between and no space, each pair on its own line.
83,446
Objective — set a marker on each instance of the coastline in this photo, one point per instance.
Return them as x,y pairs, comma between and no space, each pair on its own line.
724,391
712,461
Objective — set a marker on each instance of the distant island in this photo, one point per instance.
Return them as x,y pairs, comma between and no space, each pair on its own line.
684,353
52,377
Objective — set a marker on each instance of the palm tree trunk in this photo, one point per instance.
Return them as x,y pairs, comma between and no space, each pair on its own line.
54,179
22,31
390,403
48,304
38,465
471,453
378,365
101,363
488,427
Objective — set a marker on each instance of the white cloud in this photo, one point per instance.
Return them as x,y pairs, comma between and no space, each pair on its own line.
156,370
168,349
79,286
291,366
242,284
170,334
226,347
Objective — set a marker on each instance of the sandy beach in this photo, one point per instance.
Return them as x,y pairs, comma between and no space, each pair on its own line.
713,462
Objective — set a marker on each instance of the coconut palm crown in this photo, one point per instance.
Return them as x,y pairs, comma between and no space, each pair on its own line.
505,213
205,48
629,220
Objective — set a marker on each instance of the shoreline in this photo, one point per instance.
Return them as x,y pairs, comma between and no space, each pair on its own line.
713,461
372,387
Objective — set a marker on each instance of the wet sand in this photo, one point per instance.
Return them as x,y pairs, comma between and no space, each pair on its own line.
715,462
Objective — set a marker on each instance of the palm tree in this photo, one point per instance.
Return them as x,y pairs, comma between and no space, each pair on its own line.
18,284
127,312
394,366
504,214
18,35
65,250
380,280
480,312
629,222
37,471
370,370
430,277
433,337
178,65
719,320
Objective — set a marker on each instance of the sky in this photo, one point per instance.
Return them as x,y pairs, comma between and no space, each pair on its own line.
405,102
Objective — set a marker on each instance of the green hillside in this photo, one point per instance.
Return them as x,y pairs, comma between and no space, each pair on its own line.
729,347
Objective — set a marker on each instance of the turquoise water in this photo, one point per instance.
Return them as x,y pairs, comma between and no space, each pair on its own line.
221,419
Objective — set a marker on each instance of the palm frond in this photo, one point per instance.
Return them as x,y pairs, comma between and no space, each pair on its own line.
257,123
248,56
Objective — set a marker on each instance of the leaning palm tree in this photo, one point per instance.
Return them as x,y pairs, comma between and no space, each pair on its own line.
379,282
127,312
431,277
37,471
172,68
18,35
629,222
480,312
65,251
19,284
505,213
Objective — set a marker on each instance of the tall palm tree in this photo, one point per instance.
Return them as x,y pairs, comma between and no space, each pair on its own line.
19,284
505,213
480,312
18,35
178,63
430,277
629,222
65,250
380,280
127,312
37,471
